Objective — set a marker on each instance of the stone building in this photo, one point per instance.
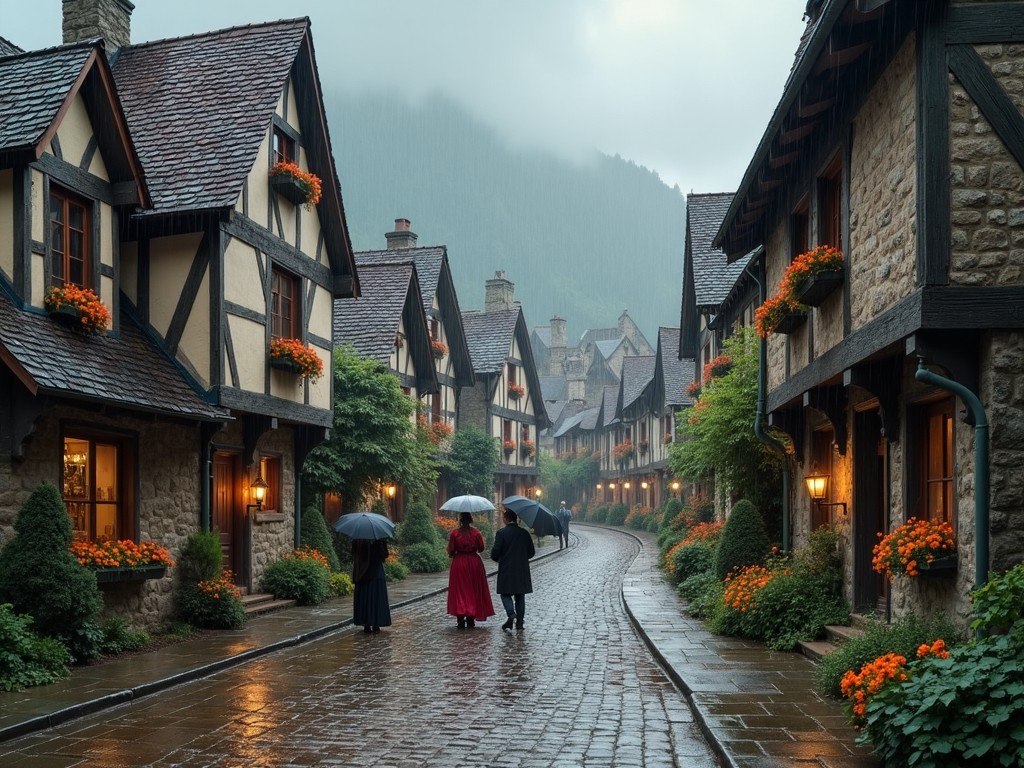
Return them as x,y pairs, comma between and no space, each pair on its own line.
146,178
898,141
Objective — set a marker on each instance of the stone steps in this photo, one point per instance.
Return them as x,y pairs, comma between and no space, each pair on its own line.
834,637
261,602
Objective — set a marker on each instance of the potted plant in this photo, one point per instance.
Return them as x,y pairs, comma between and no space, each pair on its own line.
778,314
79,308
813,275
915,547
123,560
527,448
296,185
717,367
293,356
508,447
516,391
693,390
439,348
623,451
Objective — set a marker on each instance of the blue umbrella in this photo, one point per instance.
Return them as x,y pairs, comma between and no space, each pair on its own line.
536,516
365,525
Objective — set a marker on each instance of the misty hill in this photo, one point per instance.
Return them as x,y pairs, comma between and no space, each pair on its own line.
580,241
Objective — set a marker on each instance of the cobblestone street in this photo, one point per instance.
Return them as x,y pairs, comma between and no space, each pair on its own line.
577,687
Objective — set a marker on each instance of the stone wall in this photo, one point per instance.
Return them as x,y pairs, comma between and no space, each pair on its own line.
881,253
777,259
987,193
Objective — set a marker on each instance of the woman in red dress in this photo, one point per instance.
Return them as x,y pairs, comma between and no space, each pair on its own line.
469,596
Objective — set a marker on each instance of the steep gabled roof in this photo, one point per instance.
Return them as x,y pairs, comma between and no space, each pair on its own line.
676,374
637,374
571,417
554,388
35,91
127,369
390,294
609,400
713,277
607,347
589,418
7,48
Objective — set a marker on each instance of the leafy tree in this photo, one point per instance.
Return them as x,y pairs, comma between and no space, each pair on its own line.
567,477
373,436
718,433
472,461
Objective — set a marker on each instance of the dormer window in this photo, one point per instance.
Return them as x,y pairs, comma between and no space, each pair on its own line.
283,147
284,305
69,238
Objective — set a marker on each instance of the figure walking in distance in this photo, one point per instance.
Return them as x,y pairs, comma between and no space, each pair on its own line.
370,600
469,596
512,550
564,515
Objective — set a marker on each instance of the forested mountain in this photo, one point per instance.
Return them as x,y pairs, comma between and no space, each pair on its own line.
580,241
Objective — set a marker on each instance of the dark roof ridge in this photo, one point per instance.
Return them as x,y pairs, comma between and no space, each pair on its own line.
219,32
90,43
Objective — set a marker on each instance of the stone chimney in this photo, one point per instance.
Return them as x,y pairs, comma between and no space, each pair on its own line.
402,237
558,335
556,354
499,293
109,19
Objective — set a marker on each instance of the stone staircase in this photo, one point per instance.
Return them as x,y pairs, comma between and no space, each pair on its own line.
261,602
834,637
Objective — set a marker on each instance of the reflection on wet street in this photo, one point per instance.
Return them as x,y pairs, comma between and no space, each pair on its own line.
575,688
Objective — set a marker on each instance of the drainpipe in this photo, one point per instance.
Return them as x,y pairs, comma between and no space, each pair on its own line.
204,474
759,433
981,481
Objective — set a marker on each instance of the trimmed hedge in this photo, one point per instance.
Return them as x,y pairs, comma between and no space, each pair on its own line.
744,540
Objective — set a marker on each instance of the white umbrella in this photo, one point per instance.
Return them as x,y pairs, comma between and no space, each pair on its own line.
467,503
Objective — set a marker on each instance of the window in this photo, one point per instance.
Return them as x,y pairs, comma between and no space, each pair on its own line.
435,407
270,471
506,430
283,147
830,206
435,330
933,445
284,305
95,488
511,374
69,238
799,234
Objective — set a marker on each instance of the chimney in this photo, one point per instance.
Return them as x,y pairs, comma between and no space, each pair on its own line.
402,237
109,19
558,335
499,293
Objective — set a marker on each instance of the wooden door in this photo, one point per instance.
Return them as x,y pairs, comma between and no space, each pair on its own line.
225,513
870,511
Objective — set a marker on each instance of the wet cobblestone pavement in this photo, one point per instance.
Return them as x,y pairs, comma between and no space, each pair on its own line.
577,687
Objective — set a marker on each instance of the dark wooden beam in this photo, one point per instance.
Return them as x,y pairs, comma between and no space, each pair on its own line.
253,402
981,23
883,381
840,58
956,353
830,401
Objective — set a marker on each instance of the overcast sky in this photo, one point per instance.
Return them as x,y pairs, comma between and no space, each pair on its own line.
684,87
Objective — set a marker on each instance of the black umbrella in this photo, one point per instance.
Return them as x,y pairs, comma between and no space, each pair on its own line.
536,516
365,525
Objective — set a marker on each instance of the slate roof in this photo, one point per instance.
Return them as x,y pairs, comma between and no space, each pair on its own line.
33,87
198,108
543,334
589,417
713,277
555,409
7,48
637,373
370,323
608,401
677,374
126,370
554,388
428,261
568,423
489,336
607,347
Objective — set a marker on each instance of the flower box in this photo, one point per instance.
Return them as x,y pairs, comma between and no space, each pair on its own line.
940,566
817,288
285,364
293,356
78,308
67,314
790,322
290,188
141,573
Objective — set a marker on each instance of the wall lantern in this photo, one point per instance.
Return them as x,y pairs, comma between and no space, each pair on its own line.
392,490
611,486
626,485
817,489
675,486
258,489
538,493
644,485
599,486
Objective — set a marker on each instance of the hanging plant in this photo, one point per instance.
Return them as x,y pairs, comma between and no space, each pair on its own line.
79,307
439,348
509,447
818,260
294,356
770,315
296,184
912,546
516,391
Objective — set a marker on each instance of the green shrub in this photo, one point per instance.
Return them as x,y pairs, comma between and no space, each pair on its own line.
212,604
668,537
693,559
395,570
27,659
653,524
201,557
703,509
425,558
292,578
617,514
118,637
316,535
903,636
671,508
40,577
600,515
705,595
744,540
999,604
340,584
794,607
966,710
693,587
418,526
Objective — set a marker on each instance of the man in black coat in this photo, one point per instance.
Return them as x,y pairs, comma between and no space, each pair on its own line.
512,550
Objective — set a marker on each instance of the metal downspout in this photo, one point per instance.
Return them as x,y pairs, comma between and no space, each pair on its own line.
759,433
981,479
204,497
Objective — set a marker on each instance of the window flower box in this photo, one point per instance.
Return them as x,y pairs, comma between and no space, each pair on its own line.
295,185
515,391
940,566
439,348
293,356
642,446
78,308
508,447
805,268
527,449
790,322
140,573
914,547
817,288
773,312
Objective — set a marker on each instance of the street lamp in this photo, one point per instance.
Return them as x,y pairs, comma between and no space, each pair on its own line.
258,489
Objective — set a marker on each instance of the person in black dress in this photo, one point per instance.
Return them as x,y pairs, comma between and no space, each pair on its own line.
370,602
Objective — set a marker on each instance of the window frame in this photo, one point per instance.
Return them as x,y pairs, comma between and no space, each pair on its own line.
282,147
82,508
922,452
64,199
278,320
830,204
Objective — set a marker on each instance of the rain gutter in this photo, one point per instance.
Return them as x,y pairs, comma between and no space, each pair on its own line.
981,477
762,375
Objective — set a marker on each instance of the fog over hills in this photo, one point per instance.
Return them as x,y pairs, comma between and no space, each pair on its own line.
580,241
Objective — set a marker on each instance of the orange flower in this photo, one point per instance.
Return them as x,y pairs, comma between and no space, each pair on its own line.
859,687
310,182
439,348
307,553
908,545
516,391
704,532
308,361
770,314
120,554
823,258
95,315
